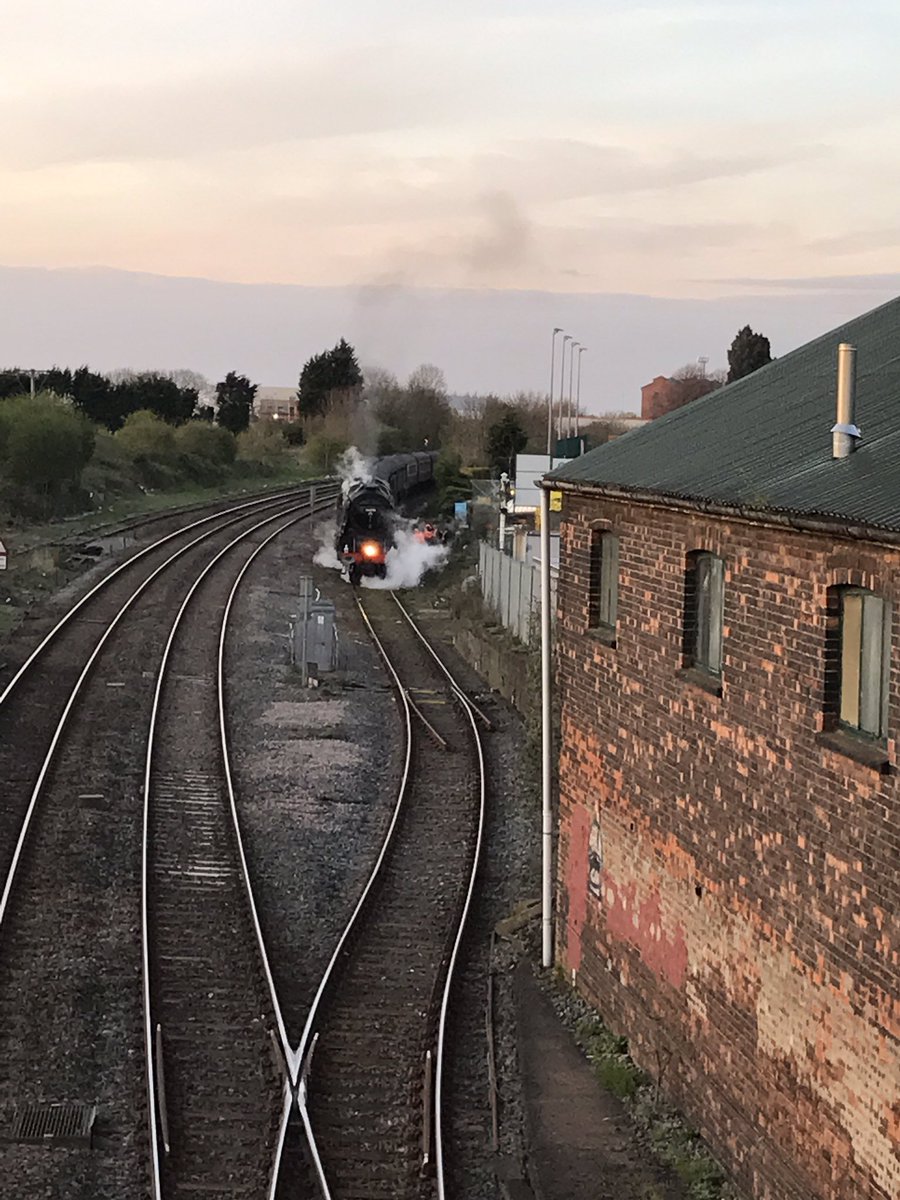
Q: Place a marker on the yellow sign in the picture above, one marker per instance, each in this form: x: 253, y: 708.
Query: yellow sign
x: 556, y: 501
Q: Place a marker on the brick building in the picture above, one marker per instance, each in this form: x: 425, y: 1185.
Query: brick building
x: 659, y: 396
x: 729, y: 827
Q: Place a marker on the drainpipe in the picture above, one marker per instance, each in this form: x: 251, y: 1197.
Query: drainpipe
x: 546, y: 740
x: 845, y: 434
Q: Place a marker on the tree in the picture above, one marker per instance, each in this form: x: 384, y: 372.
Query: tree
x: 152, y: 392
x: 505, y: 439
x: 749, y: 351
x: 693, y: 382
x: 235, y: 398
x: 145, y: 436
x: 44, y: 447
x: 95, y: 396
x: 414, y: 417
x: 326, y: 375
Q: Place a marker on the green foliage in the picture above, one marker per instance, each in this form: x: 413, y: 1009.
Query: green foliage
x: 211, y: 442
x: 98, y: 399
x: 293, y: 433
x: 323, y: 450
x: 415, y: 417
x: 14, y: 381
x: 44, y: 447
x: 334, y: 372
x: 154, y: 393
x: 505, y: 439
x: 235, y: 395
x: 749, y: 351
x: 145, y: 436
x: 390, y: 441
x: 451, y: 483
x: 263, y: 444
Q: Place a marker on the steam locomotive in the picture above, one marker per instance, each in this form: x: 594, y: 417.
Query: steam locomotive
x: 367, y: 521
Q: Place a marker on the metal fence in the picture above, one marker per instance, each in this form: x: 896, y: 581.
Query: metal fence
x: 512, y: 591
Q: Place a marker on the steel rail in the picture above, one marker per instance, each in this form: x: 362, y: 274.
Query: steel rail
x: 307, y: 1039
x: 73, y: 696
x: 64, y: 620
x: 156, y: 1173
x: 470, y: 711
x: 290, y: 1081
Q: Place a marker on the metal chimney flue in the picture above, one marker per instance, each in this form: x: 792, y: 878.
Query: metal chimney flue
x: 845, y: 434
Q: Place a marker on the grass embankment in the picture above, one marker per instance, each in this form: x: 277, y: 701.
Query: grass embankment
x: 40, y: 553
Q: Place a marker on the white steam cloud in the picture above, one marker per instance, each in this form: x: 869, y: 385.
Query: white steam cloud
x: 354, y: 467
x: 407, y: 562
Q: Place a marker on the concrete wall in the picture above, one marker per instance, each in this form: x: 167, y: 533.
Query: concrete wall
x: 729, y: 890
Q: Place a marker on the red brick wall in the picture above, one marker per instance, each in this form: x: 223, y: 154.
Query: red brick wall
x: 728, y: 886
x: 660, y: 397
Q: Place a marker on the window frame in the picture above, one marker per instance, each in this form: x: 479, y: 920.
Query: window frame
x: 862, y: 711
x: 704, y: 617
x: 603, y: 582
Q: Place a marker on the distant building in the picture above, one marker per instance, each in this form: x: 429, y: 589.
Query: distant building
x: 658, y: 397
x: 729, y: 810
x: 276, y: 403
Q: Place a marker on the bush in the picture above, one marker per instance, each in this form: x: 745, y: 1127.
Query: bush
x: 145, y: 436
x: 200, y: 439
x: 294, y: 433
x: 263, y: 444
x: 323, y: 451
x: 44, y: 446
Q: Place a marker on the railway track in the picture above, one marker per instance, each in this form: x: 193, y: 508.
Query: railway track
x: 33, y: 697
x: 215, y: 1040
x: 372, y: 1055
x: 69, y: 973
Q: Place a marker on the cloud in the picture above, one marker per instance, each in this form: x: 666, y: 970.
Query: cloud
x: 858, y: 242
x: 335, y: 94
x: 564, y: 168
x: 887, y: 282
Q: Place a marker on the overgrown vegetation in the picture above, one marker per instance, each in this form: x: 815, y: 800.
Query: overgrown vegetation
x: 672, y: 1142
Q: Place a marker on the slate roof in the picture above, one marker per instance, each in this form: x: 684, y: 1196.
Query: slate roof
x: 764, y: 442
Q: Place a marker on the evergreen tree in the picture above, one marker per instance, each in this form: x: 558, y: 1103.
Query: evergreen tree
x: 152, y: 392
x: 749, y: 351
x: 235, y: 395
x: 95, y: 396
x: 505, y: 439
x: 323, y: 375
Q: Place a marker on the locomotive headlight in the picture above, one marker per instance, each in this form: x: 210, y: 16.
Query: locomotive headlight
x: 370, y: 550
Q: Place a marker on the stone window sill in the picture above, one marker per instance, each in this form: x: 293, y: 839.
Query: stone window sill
x: 702, y: 679
x: 605, y: 634
x: 870, y: 754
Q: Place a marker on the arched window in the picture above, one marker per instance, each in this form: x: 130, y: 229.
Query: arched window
x: 704, y: 601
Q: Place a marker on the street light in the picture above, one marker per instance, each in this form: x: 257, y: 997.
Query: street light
x: 571, y: 377
x: 581, y: 350
x: 556, y: 330
x: 567, y: 337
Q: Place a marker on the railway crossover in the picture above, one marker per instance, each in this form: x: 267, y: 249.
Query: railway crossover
x: 223, y: 1085
x: 69, y: 966
x: 372, y: 1054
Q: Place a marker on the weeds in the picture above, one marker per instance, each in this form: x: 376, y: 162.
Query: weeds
x: 672, y: 1142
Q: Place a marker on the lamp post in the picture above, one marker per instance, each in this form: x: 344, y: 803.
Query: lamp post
x: 575, y: 345
x: 567, y: 337
x: 556, y: 330
x: 581, y: 350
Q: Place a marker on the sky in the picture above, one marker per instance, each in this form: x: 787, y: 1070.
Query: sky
x: 686, y: 149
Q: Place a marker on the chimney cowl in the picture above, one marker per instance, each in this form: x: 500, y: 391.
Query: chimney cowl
x: 845, y: 433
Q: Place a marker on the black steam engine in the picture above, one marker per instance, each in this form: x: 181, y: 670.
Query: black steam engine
x: 367, y: 521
